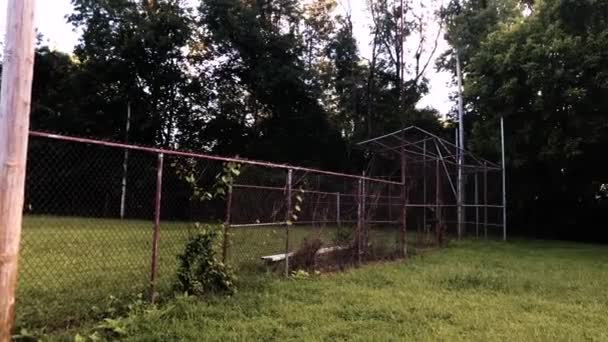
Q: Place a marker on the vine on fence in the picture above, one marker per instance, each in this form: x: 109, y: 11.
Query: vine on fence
x: 297, y: 208
x: 199, y: 270
x: 223, y: 181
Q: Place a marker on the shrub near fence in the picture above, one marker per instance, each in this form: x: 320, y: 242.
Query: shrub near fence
x: 104, y: 222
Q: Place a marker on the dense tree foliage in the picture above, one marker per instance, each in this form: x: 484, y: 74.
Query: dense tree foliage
x: 284, y: 80
x: 542, y: 66
x: 280, y: 80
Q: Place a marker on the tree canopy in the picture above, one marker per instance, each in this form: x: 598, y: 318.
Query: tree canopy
x: 542, y: 66
x: 284, y: 80
x: 281, y: 80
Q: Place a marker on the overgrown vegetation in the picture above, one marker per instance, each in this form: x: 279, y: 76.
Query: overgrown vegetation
x: 305, y: 256
x: 199, y: 272
x: 51, y: 294
x: 490, y: 291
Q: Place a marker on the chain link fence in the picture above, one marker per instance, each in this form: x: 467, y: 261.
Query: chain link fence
x: 104, y: 222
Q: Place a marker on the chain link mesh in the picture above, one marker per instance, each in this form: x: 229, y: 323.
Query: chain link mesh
x: 90, y: 213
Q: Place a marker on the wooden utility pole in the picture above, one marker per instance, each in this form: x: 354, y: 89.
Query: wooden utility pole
x: 15, y: 97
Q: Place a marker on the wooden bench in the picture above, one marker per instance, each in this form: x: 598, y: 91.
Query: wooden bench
x: 281, y: 257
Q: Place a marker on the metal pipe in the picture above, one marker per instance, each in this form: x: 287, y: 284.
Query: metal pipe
x: 156, y: 235
x: 203, y: 156
x: 424, y: 187
x: 282, y: 223
x: 403, y: 143
x: 476, y: 206
x: 288, y: 219
x: 453, y: 205
x: 402, y: 242
x: 125, y: 163
x: 390, y: 204
x: 446, y: 171
x: 338, y: 221
x: 485, y: 202
x: 359, y: 219
x: 471, y: 222
x: 281, y: 188
x: 227, y: 225
x: 251, y: 225
x: 461, y: 145
x: 504, y: 180
x: 364, y: 211
x: 438, y: 224
x: 443, y: 141
x: 386, y: 135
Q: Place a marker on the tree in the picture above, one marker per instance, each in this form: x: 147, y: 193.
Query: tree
x: 267, y: 61
x: 545, y: 73
x: 396, y: 80
x: 134, y: 52
x: 348, y: 86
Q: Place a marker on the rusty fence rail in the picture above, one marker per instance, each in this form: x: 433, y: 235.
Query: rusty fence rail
x: 105, y: 221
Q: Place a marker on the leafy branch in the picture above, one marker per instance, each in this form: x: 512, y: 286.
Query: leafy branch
x: 223, y: 181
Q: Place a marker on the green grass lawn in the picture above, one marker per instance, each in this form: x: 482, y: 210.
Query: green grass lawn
x: 76, y: 269
x: 481, y: 291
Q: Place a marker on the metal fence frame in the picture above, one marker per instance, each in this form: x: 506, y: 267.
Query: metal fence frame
x: 411, y: 146
x: 161, y: 153
x: 374, y: 198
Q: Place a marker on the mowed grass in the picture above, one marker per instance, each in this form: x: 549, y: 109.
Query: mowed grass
x: 70, y: 268
x: 73, y: 270
x: 472, y: 291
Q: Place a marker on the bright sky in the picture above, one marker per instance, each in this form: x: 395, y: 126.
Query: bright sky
x: 51, y: 22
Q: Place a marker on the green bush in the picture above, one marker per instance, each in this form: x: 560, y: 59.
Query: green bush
x: 199, y: 271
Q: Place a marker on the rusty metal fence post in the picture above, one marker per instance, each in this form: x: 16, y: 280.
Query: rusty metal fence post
x: 365, y: 225
x: 338, y: 220
x: 424, y: 190
x: 438, y: 223
x: 476, y: 198
x: 404, y: 199
x: 156, y: 235
x: 288, y: 218
x: 390, y: 204
x: 226, y: 242
x: 485, y: 200
x: 359, y: 219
